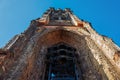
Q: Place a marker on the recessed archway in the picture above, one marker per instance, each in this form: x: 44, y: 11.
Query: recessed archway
x: 84, y: 57
x: 55, y: 42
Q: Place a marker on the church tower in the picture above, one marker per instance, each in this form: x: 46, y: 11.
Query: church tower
x: 60, y: 46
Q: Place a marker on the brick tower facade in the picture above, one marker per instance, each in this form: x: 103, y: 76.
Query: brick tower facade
x: 60, y: 46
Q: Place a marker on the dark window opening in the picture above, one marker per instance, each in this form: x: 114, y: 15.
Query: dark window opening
x: 56, y: 18
x: 62, y: 52
x: 55, y: 48
x: 62, y: 47
x: 63, y: 18
x: 70, y: 49
x: 61, y: 64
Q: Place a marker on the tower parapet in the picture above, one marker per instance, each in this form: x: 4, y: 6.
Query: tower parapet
x: 59, y: 17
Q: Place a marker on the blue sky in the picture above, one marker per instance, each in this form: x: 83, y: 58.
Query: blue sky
x: 15, y: 15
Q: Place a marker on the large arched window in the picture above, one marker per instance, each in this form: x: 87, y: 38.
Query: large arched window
x: 61, y: 63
